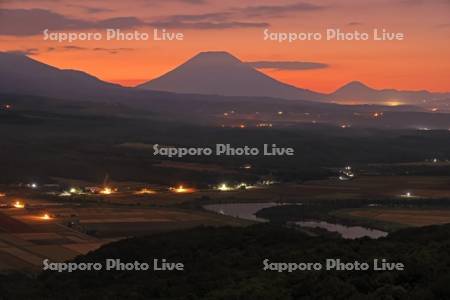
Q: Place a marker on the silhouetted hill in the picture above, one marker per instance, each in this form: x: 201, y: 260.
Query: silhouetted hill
x: 357, y: 92
x: 227, y: 263
x: 20, y: 74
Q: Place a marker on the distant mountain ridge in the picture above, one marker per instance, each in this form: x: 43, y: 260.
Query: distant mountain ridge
x: 220, y: 73
x: 208, y: 73
x: 20, y: 74
x: 358, y: 92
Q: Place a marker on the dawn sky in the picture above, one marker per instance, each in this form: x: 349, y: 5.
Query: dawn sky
x: 420, y: 61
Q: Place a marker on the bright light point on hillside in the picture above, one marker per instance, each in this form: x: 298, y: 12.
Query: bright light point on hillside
x: 224, y: 187
x: 407, y: 195
x: 280, y: 113
x: 393, y: 103
x: 145, y: 191
x: 33, y: 185
x: 18, y: 204
x: 2, y: 195
x: 181, y: 189
x: 244, y: 186
x: 46, y: 217
x: 377, y: 115
x: 107, y: 191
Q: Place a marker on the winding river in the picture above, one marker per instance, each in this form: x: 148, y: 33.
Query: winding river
x: 247, y: 211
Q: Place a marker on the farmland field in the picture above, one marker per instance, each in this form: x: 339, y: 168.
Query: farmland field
x: 410, y: 217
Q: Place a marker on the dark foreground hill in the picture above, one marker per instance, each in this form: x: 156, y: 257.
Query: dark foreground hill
x: 227, y: 263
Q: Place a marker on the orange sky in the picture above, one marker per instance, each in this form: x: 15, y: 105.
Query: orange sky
x: 421, y: 61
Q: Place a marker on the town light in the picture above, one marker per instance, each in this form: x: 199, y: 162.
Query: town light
x: 46, y: 217
x: 224, y: 187
x: 181, y: 189
x: 107, y: 191
x: 18, y: 204
x: 144, y: 191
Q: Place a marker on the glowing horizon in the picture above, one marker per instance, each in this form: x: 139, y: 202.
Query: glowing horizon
x: 419, y: 62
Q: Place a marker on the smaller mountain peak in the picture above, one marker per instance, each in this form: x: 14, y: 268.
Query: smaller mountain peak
x: 356, y: 83
x: 354, y: 86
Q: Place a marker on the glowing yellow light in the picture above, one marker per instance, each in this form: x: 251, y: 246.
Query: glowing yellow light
x: 377, y: 114
x: 2, y: 195
x: 18, y: 204
x: 145, y: 191
x: 182, y: 189
x: 223, y: 187
x: 46, y: 217
x: 434, y: 109
x: 393, y: 103
x: 107, y: 191
x: 280, y: 113
x: 242, y: 126
x: 244, y: 186
x: 407, y: 195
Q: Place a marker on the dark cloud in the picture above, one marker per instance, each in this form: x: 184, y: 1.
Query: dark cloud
x: 215, y: 17
x: 74, y: 48
x: 354, y: 24
x: 35, y: 51
x: 113, y: 50
x: 287, y: 65
x: 26, y: 22
x: 279, y: 10
x: 233, y: 18
x: 120, y: 22
x: 107, y: 50
x: 159, y: 2
x: 92, y: 10
x: 208, y: 25
x: 215, y: 20
x: 192, y: 1
x: 28, y: 51
x: 422, y: 2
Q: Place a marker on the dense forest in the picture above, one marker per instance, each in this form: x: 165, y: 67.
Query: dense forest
x: 227, y: 263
